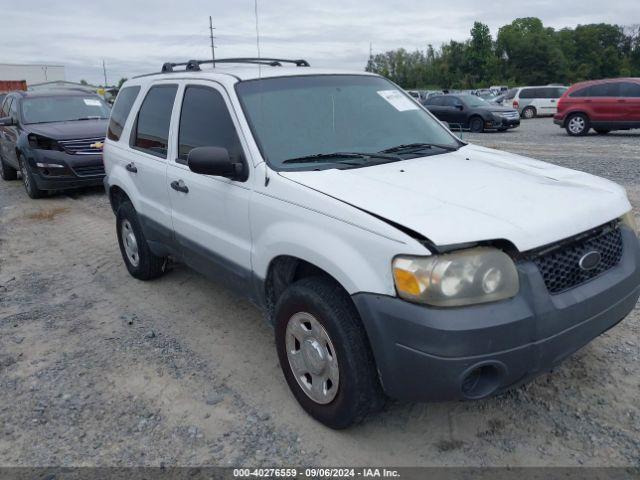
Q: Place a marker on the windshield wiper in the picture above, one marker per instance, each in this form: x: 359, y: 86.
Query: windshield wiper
x: 88, y: 118
x: 321, y: 157
x: 414, y: 147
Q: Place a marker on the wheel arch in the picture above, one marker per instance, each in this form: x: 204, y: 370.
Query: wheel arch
x: 283, y: 270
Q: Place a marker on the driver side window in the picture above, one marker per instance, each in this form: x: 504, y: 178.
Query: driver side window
x: 205, y: 122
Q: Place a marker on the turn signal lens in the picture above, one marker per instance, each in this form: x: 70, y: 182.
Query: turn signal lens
x: 466, y: 277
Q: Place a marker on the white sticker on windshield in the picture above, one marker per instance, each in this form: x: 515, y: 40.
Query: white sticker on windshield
x: 92, y: 102
x: 398, y: 100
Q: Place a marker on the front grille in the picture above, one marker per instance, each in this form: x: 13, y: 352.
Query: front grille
x: 82, y: 146
x: 560, y: 265
x: 89, y: 170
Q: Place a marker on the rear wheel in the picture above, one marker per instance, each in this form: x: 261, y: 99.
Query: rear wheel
x: 324, y: 353
x: 476, y: 125
x: 578, y: 124
x: 529, y: 113
x: 28, y: 180
x: 138, y: 257
x: 601, y: 131
x: 7, y: 172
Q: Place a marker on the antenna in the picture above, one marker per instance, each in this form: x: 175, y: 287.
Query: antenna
x: 213, y: 53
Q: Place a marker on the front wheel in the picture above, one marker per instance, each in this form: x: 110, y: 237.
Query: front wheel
x: 28, y: 179
x: 324, y: 353
x: 578, y: 125
x: 138, y: 257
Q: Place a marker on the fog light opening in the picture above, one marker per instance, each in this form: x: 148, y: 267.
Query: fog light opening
x: 481, y: 381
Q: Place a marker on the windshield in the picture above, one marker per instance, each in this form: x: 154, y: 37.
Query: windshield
x: 63, y: 108
x: 297, y: 117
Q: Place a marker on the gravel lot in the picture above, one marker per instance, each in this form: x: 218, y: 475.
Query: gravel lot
x: 97, y: 368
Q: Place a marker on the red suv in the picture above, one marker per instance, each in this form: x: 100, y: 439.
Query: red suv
x: 603, y: 105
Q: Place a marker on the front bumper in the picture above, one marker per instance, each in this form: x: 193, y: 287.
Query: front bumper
x: 471, y: 352
x: 77, y: 171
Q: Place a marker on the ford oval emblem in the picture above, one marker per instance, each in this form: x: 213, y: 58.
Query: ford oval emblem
x: 590, y: 260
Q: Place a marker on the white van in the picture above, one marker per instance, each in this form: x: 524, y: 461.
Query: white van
x: 392, y: 258
x: 534, y: 102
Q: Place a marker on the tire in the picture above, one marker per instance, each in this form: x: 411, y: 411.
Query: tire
x: 28, y: 180
x: 7, y: 172
x: 529, y: 113
x: 578, y: 125
x: 601, y: 131
x: 476, y: 125
x: 138, y: 257
x: 335, y: 327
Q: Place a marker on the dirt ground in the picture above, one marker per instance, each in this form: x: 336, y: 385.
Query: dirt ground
x: 97, y: 368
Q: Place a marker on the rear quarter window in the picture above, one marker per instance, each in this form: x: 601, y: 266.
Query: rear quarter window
x: 121, y: 109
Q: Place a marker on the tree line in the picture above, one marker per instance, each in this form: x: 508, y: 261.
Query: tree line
x: 525, y: 52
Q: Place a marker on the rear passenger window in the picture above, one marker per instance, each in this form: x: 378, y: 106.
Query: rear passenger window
x: 528, y: 93
x: 121, y: 110
x: 511, y: 94
x: 152, y: 126
x: 628, y: 89
x: 205, y: 122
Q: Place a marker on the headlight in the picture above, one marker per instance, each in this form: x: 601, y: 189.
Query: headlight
x: 629, y: 220
x: 43, y: 143
x: 467, y: 277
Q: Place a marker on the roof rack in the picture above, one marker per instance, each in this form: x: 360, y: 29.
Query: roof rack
x: 194, y: 65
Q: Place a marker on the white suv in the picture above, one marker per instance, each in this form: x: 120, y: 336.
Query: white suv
x: 392, y: 258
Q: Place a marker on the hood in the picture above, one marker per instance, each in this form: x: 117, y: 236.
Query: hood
x: 476, y: 194
x: 70, y: 130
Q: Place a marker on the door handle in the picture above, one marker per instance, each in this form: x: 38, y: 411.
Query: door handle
x: 179, y: 186
x: 131, y: 168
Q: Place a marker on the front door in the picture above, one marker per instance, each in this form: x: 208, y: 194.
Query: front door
x: 210, y: 214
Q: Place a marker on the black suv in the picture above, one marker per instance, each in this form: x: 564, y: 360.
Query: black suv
x: 54, y: 138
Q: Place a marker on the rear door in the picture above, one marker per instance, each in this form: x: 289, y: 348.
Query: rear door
x: 146, y: 160
x: 605, y: 104
x: 210, y: 214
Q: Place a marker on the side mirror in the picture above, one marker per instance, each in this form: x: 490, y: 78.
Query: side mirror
x: 6, y: 121
x: 459, y: 106
x: 214, y: 161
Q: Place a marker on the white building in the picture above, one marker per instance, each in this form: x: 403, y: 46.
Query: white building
x: 32, y: 73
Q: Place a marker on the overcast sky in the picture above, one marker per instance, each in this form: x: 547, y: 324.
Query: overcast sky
x: 137, y: 36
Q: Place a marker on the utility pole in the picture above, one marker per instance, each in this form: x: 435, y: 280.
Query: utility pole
x: 213, y: 53
x: 370, y: 49
x: 104, y: 71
